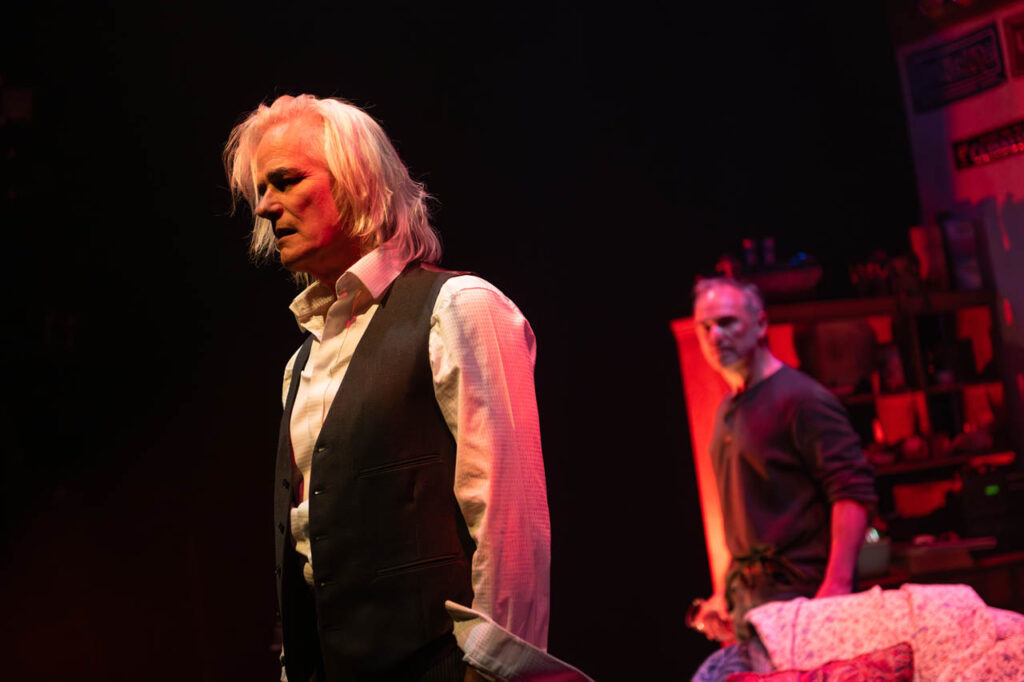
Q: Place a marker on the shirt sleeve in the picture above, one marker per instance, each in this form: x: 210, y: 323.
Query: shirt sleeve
x: 832, y: 448
x: 482, y: 354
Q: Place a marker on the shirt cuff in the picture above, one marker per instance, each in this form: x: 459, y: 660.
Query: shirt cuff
x: 498, y: 653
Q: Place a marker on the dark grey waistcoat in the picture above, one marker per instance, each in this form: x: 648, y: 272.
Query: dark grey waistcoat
x: 388, y: 540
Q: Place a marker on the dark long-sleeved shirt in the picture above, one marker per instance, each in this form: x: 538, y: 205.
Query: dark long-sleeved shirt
x: 783, y: 452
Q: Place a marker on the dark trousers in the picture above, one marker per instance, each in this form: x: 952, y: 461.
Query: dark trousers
x: 753, y: 588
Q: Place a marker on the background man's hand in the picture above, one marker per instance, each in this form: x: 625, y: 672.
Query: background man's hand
x: 713, y: 620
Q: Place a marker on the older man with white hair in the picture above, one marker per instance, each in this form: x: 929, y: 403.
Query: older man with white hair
x: 409, y: 469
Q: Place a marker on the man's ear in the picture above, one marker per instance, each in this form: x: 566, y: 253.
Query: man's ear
x: 762, y: 325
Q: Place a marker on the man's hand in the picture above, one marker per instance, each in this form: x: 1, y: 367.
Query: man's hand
x: 713, y: 620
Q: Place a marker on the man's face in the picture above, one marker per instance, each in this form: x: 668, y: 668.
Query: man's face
x: 295, y: 196
x: 727, y: 330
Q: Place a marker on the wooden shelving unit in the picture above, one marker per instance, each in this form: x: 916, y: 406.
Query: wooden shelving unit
x: 1004, y: 458
x: 934, y: 302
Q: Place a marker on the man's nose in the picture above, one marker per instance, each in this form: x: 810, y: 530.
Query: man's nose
x: 268, y: 206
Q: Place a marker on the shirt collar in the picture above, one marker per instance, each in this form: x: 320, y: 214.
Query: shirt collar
x: 372, y: 274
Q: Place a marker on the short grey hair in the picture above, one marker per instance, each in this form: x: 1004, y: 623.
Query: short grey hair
x: 751, y: 294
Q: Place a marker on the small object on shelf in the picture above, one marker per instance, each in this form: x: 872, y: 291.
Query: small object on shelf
x: 878, y: 432
x: 785, y: 283
x: 904, y: 277
x: 984, y: 407
x: 902, y: 415
x: 872, y: 278
x: 964, y: 252
x: 928, y: 554
x: 939, y: 444
x: 973, y: 441
x: 879, y: 455
x: 892, y: 374
x: 749, y: 253
x: 841, y: 354
x: 914, y: 448
x: 727, y: 266
x: 768, y: 251
x: 874, y: 556
x: 928, y: 245
x: 777, y: 282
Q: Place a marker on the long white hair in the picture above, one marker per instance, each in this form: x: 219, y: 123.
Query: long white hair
x: 377, y: 199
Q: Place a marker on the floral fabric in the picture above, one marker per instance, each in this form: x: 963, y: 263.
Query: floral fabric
x: 955, y: 637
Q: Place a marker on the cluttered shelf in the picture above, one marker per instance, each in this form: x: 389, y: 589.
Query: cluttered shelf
x: 928, y: 303
x: 975, y: 460
x: 997, y: 578
x: 937, y: 389
x: 918, y: 374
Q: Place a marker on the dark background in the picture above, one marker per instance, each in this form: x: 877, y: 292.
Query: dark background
x: 590, y: 162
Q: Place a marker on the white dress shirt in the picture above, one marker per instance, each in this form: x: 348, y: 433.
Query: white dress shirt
x: 482, y: 352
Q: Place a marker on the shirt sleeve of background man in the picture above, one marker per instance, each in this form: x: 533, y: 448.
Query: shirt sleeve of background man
x: 783, y: 453
x: 482, y: 354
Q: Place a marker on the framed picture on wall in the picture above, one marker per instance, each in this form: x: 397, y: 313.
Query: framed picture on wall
x: 955, y: 69
x: 1013, y: 32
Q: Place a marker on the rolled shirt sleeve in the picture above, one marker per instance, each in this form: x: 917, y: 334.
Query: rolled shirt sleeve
x: 833, y: 450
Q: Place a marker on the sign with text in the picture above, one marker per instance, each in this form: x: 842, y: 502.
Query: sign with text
x: 955, y: 69
x: 990, y: 146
